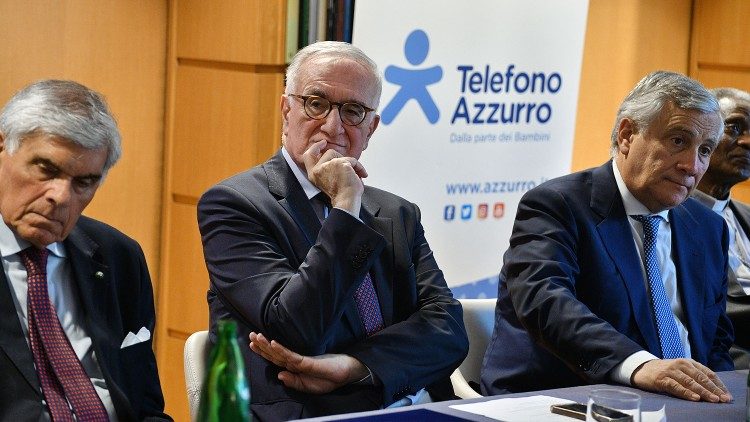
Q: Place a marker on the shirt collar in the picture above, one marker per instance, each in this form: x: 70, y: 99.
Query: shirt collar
x: 10, y: 244
x: 632, y: 205
x: 718, y: 205
x: 307, y: 186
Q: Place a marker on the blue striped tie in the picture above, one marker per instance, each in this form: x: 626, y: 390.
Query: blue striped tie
x: 671, y: 346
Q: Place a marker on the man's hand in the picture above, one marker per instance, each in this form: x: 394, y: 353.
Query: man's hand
x: 338, y: 176
x: 682, y: 378
x: 315, y: 375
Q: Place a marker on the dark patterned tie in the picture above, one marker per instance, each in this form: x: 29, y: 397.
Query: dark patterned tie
x: 60, y: 372
x: 365, y: 296
x: 669, y: 337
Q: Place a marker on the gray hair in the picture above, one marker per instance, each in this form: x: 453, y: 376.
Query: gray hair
x: 730, y: 93
x: 653, y: 92
x: 336, y: 50
x: 64, y: 109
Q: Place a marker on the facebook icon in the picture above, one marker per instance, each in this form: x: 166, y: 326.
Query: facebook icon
x: 466, y: 211
x: 449, y: 213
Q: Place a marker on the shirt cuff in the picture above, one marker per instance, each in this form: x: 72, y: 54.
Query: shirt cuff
x: 346, y: 211
x: 623, y: 372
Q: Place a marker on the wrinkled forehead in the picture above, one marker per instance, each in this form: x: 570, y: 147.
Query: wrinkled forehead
x: 341, y: 71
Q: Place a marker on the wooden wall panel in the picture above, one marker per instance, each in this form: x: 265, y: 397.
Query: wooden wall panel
x: 219, y: 116
x: 720, y: 33
x: 720, y: 52
x: 716, y: 78
x: 117, y: 48
x: 240, y: 31
x: 186, y: 297
x: 624, y: 41
x: 225, y: 77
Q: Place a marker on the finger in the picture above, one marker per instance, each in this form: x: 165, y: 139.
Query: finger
x: 293, y: 361
x: 312, y: 154
x: 358, y: 168
x: 262, y: 346
x: 330, y: 154
x: 254, y: 347
x: 673, y: 387
x: 697, y: 382
x: 717, y: 386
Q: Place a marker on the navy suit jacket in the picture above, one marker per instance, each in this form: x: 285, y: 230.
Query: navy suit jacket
x: 276, y: 270
x: 119, y: 302
x: 572, y: 300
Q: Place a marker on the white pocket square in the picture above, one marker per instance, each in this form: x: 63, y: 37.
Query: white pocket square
x: 143, y: 335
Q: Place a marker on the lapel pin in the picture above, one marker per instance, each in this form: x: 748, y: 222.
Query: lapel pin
x: 99, y: 274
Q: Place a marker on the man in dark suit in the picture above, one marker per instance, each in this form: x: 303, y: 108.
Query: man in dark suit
x: 612, y: 274
x: 75, y: 294
x: 730, y: 165
x: 340, y: 294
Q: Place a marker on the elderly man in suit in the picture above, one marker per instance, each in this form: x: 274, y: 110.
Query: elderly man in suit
x: 332, y: 280
x: 730, y: 165
x: 75, y: 296
x: 613, y: 274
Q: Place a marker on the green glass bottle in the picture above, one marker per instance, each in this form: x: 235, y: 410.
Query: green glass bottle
x: 225, y: 396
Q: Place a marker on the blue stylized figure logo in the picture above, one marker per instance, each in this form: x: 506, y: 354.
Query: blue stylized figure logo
x: 413, y: 82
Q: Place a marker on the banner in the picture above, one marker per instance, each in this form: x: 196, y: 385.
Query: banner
x: 478, y: 106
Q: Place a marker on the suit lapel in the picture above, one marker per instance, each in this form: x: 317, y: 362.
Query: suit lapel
x: 284, y: 186
x: 13, y: 341
x: 617, y: 236
x: 93, y: 281
x: 384, y: 265
x: 689, y: 259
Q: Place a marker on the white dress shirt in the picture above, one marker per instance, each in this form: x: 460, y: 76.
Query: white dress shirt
x: 622, y: 373
x: 64, y: 298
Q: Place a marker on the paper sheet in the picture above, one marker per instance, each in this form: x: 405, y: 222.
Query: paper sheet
x: 533, y: 408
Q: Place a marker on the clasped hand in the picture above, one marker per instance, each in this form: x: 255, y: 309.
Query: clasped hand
x: 338, y: 176
x: 683, y: 378
x: 310, y: 374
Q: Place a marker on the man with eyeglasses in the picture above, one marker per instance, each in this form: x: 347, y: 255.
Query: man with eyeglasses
x: 332, y: 281
x: 730, y: 165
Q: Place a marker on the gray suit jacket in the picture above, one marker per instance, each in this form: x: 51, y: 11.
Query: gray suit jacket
x: 738, y: 303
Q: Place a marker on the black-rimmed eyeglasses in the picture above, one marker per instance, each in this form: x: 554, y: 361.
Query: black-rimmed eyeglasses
x: 351, y: 114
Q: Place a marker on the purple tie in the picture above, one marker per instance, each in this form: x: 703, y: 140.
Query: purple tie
x: 368, y: 306
x: 60, y: 372
x: 365, y: 296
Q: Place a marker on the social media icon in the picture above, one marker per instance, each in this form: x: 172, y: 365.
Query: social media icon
x: 499, y: 210
x: 449, y: 213
x: 465, y: 211
x: 482, y: 210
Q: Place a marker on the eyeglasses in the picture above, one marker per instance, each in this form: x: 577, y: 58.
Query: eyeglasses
x: 351, y: 114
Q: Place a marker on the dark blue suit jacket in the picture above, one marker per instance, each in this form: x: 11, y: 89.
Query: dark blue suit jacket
x: 572, y: 300
x: 119, y: 302
x: 276, y: 270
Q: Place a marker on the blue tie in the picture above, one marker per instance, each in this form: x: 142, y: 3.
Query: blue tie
x: 671, y: 346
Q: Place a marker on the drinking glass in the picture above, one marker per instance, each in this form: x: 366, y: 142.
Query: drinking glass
x: 612, y: 405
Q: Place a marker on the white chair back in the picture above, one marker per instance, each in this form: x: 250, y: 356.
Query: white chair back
x: 196, y: 352
x: 479, y: 318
